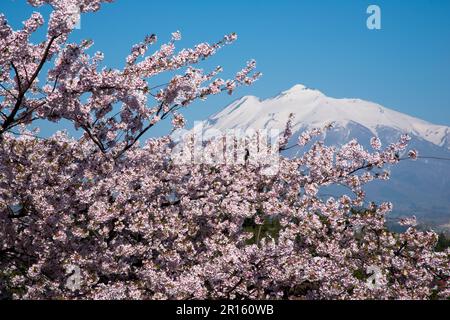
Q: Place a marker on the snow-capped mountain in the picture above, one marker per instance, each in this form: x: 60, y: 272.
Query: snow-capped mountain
x: 421, y: 188
x: 314, y: 109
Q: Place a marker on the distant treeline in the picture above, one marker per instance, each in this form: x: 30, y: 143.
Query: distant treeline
x: 271, y: 228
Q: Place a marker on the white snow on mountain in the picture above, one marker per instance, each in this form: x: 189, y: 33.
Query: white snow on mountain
x: 314, y: 109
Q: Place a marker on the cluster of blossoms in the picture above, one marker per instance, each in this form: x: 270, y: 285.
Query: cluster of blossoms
x: 139, y: 226
x: 143, y: 227
x: 113, y: 107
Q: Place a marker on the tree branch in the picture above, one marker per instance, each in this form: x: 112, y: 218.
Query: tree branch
x: 23, y: 90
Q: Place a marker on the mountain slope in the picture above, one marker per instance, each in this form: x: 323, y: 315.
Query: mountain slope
x: 313, y: 109
x: 421, y: 188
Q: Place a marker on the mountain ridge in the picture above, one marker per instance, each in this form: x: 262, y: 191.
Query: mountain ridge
x: 314, y: 108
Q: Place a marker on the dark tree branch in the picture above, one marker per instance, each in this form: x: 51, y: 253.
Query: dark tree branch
x: 23, y: 90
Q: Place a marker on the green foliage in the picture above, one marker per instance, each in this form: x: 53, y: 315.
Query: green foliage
x: 443, y: 242
x: 270, y: 228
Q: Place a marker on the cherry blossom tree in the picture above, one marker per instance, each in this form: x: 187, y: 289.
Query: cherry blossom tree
x: 139, y: 225
x: 114, y: 108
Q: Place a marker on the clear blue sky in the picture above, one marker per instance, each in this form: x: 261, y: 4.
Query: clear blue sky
x: 323, y: 44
